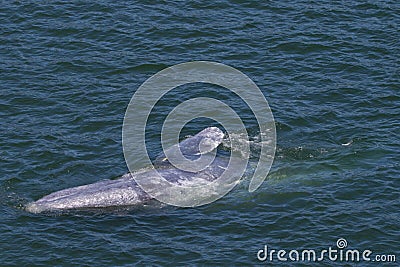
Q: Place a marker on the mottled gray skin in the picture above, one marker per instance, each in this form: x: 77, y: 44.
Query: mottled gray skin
x: 125, y: 191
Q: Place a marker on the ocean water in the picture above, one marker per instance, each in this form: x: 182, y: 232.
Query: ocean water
x: 329, y: 69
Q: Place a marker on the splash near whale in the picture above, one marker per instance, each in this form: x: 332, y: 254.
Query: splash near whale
x: 126, y: 192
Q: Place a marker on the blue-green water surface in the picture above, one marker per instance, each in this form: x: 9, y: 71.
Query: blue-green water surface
x: 329, y: 69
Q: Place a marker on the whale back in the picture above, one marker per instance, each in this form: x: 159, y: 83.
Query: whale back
x: 125, y: 191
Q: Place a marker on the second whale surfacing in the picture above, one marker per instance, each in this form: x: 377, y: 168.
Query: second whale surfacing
x: 126, y: 192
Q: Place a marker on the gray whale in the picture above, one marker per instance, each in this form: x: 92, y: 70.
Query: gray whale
x: 125, y: 191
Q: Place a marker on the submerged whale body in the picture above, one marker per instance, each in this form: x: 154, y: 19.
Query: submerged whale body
x: 126, y: 192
